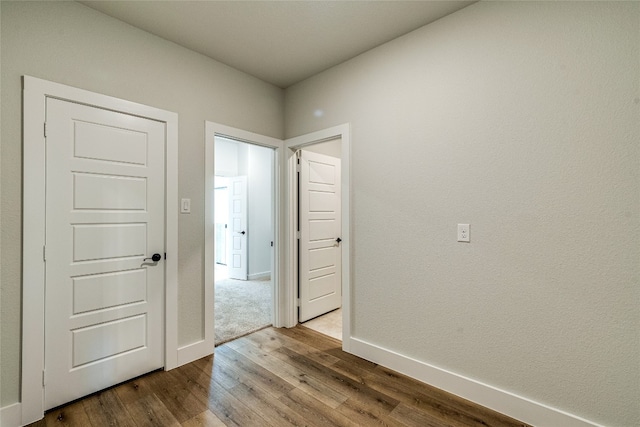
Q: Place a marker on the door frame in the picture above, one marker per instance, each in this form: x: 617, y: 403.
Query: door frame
x: 35, y: 93
x: 293, y: 144
x: 212, y: 130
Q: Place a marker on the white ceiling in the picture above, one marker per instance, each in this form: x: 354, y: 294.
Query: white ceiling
x: 281, y: 42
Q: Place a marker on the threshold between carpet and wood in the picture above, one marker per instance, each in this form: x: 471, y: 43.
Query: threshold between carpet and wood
x: 276, y: 377
x: 241, y: 307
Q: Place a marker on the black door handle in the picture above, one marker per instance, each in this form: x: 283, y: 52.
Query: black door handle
x: 154, y: 258
x: 243, y: 232
x: 338, y: 240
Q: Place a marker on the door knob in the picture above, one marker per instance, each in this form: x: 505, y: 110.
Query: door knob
x: 243, y: 232
x: 338, y: 240
x: 154, y: 258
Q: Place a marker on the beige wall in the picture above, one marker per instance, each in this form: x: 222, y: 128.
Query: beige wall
x: 329, y: 148
x: 521, y: 119
x: 259, y: 209
x: 68, y: 43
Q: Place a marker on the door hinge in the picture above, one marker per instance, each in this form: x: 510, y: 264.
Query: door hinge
x: 165, y: 255
x: 43, y: 378
x: 45, y: 129
x: 298, y: 235
x: 44, y: 252
x: 298, y: 302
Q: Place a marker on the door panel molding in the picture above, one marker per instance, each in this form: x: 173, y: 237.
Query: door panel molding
x: 237, y: 237
x: 289, y: 162
x: 123, y: 340
x: 320, y: 277
x: 35, y: 93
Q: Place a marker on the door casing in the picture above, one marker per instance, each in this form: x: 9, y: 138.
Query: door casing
x: 292, y: 145
x: 35, y: 92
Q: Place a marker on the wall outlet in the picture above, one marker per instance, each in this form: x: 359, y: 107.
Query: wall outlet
x: 463, y: 232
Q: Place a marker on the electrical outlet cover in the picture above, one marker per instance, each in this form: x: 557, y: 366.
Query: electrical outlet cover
x: 463, y: 232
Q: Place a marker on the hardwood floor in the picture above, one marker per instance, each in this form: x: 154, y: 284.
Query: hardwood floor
x: 275, y: 377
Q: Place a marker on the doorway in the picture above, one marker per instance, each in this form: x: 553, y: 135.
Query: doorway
x: 334, y: 142
x: 319, y: 242
x: 105, y: 230
x: 243, y: 237
x: 319, y: 234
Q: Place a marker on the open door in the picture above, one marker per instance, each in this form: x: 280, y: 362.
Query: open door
x: 320, y: 281
x: 237, y: 262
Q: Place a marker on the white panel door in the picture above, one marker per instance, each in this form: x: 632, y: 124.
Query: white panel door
x: 237, y: 261
x: 104, y: 215
x: 320, y: 281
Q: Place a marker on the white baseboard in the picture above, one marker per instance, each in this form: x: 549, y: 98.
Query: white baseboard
x: 194, y: 351
x: 11, y: 415
x: 259, y: 276
x: 507, y: 403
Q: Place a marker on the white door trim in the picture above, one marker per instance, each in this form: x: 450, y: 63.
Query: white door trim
x: 35, y: 92
x: 211, y: 130
x: 290, y: 297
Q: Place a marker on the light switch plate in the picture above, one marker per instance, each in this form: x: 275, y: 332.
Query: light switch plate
x: 185, y: 206
x: 463, y: 232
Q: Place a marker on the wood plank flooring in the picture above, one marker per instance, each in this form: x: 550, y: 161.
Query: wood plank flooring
x: 275, y: 377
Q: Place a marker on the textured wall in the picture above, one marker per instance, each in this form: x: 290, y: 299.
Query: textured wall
x: 522, y: 119
x: 329, y: 148
x: 68, y: 43
x: 260, y: 195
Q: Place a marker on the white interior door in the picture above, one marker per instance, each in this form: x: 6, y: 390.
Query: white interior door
x: 104, y: 215
x: 320, y: 282
x: 237, y: 260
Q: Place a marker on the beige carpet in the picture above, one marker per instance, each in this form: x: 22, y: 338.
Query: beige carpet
x: 241, y: 307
